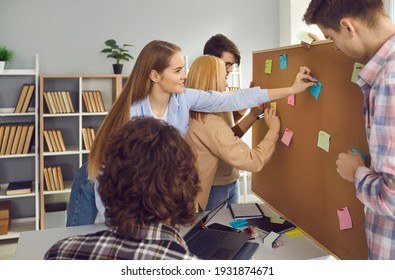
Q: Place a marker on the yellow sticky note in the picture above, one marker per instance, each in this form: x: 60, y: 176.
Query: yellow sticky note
x: 268, y: 66
x: 294, y: 233
x: 273, y: 105
x: 323, y: 140
x: 357, y: 68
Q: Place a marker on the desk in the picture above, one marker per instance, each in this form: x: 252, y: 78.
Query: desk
x: 32, y: 245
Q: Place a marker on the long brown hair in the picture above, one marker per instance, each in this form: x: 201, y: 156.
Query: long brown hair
x: 205, y: 74
x: 156, y: 55
x: 149, y: 177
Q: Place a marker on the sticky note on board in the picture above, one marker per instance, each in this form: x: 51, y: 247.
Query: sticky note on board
x: 287, y: 136
x: 268, y: 66
x: 344, y: 218
x: 273, y: 105
x: 315, y: 90
x: 283, y: 61
x: 304, y: 37
x: 291, y: 100
x: 356, y: 69
x: 323, y: 140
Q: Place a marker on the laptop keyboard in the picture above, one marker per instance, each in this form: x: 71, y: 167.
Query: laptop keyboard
x: 203, y: 244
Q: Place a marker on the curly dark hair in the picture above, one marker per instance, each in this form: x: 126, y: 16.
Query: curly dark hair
x: 149, y: 176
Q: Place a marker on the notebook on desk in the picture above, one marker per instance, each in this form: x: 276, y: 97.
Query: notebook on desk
x: 214, y: 244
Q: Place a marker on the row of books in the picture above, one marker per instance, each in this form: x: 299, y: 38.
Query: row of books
x: 15, y: 138
x: 24, y: 98
x: 93, y: 101
x: 54, y: 140
x: 58, y: 102
x: 88, y: 135
x: 53, y: 178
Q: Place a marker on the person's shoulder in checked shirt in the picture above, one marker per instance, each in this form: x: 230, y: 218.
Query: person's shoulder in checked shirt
x: 161, y: 242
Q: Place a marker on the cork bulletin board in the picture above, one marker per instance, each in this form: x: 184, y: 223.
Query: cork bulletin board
x: 300, y: 181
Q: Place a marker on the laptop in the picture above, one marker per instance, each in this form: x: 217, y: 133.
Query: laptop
x: 214, y: 244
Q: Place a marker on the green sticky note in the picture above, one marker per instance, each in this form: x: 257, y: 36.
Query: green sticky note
x: 304, y: 37
x: 323, y: 140
x: 268, y: 66
x: 277, y: 220
x: 357, y: 68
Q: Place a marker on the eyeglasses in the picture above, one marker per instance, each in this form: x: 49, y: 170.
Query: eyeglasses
x: 229, y: 65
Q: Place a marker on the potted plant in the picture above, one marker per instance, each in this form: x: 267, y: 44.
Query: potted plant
x: 5, y: 55
x: 118, y: 53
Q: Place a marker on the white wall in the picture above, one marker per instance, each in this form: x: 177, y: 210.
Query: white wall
x: 69, y: 35
x: 291, y: 14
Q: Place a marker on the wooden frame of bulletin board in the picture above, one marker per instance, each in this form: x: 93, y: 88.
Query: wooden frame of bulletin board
x: 301, y: 181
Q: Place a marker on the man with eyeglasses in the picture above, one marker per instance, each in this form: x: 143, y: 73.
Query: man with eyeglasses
x: 226, y: 182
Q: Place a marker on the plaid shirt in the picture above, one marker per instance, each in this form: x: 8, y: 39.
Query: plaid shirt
x: 162, y: 242
x: 376, y: 185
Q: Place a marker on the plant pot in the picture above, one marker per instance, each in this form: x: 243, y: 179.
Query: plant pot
x: 2, y: 64
x: 117, y: 68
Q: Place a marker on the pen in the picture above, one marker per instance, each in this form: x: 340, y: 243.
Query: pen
x: 261, y: 116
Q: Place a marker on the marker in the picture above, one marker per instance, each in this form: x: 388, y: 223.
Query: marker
x: 261, y: 116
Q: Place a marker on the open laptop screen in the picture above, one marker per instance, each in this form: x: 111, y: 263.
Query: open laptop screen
x: 206, y: 218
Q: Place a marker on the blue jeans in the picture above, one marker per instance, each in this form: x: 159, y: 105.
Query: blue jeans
x: 82, y: 207
x: 220, y: 192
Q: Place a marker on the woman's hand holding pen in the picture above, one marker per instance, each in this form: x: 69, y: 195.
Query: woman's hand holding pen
x: 303, y: 80
x: 272, y: 120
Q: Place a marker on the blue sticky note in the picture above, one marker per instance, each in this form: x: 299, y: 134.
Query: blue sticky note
x: 238, y: 223
x: 315, y: 90
x: 362, y: 154
x: 283, y: 61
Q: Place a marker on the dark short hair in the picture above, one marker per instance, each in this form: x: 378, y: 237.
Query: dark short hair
x: 218, y: 44
x: 149, y: 176
x: 328, y: 13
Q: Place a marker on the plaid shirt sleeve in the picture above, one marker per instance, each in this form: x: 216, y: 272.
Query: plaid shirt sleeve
x: 376, y: 185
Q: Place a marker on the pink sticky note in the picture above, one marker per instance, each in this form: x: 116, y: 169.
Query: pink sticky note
x: 287, y: 136
x: 344, y: 218
x: 291, y: 100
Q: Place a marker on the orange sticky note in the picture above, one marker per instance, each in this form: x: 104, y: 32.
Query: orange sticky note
x: 287, y: 136
x: 344, y: 218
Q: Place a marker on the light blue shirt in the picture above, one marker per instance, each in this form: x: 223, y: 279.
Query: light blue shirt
x: 195, y: 100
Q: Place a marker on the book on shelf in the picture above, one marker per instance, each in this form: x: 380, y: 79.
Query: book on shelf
x: 10, y: 139
x: 100, y: 101
x: 60, y: 177
x: 91, y: 99
x: 21, y: 99
x: 22, y: 140
x: 7, y: 129
x: 92, y: 136
x: 245, y: 210
x: 48, y: 185
x: 57, y: 102
x: 61, y: 141
x: 49, y: 102
x: 17, y: 139
x: 20, y: 187
x: 87, y: 104
x: 2, y: 127
x: 70, y: 102
x: 85, y: 139
x: 53, y: 178
x: 29, y: 137
x: 48, y: 141
x: 66, y: 102
x: 28, y: 98
x: 53, y: 136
